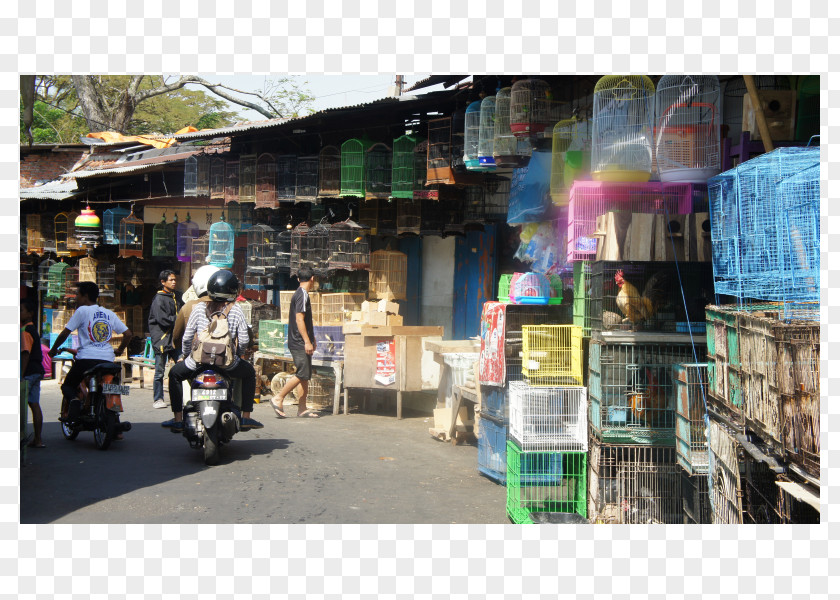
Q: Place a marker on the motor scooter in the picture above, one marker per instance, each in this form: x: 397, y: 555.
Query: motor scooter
x: 211, y: 417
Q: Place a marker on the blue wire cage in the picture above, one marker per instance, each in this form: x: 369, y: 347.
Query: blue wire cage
x: 111, y: 224
x: 765, y: 230
x: 222, y: 240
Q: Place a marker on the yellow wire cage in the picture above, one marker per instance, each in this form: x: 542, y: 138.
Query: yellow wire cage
x: 552, y: 355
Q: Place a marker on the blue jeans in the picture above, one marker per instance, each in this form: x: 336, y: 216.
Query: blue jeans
x: 161, y: 358
x: 34, y: 396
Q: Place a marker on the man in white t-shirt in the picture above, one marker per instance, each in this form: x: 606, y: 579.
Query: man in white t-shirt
x: 95, y: 326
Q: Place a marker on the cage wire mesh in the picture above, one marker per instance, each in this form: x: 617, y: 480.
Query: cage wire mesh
x: 687, y: 131
x: 329, y: 171
x: 388, y: 274
x: 217, y: 178
x: 622, y: 128
x: 55, y: 283
x: 71, y: 283
x: 222, y: 242
x: 111, y: 224
x: 548, y: 419
x: 378, y: 170
x: 631, y: 390
x: 690, y: 386
x: 492, y: 447
x: 551, y: 355
x: 509, y: 151
x: 724, y: 475
x: 306, y: 179
x: 232, y: 181
x: 336, y: 308
x: 530, y: 107
x: 44, y: 274
x: 544, y: 482
x: 297, y: 256
x: 200, y: 250
x: 131, y: 237
x: 248, y: 178
x: 106, y: 279
x: 571, y: 151
x: 472, y: 129
x: 349, y: 248
x: 262, y: 250
x: 202, y: 180
x: 408, y: 170
x: 185, y: 234
x: 694, y: 491
x: 516, y: 317
x: 353, y: 167
x: 485, y: 133
x: 408, y: 216
x: 163, y: 238
x: 287, y: 166
x: 761, y: 248
x: 284, y: 249
x: 266, y: 181
x: 582, y: 275
x: 589, y: 200
x: 191, y: 176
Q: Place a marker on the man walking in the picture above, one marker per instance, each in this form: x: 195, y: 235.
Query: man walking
x: 301, y: 345
x: 162, y: 316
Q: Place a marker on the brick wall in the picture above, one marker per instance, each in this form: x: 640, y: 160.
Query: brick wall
x: 42, y: 166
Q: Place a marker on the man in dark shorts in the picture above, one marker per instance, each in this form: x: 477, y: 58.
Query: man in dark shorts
x: 301, y: 346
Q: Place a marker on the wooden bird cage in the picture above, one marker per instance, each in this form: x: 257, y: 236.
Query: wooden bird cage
x: 262, y: 249
x: 74, y: 244
x: 353, y: 171
x: 200, y: 250
x: 106, y: 279
x: 191, y: 176
x: 44, y: 274
x: 306, y: 179
x: 408, y: 216
x: 622, y: 128
x: 369, y: 215
x: 217, y: 178
x: 222, y: 242
x: 329, y: 171
x: 65, y: 238
x: 378, y: 167
x: 55, y: 281
x: 408, y: 170
x: 284, y: 249
x: 131, y: 236
x: 240, y: 216
x: 35, y: 234
x: 185, y: 233
x: 266, y: 181
x: 349, y: 246
x: 386, y: 217
x: 202, y: 187
x: 530, y: 107
x: 445, y: 155
x: 87, y: 269
x: 571, y: 150
x: 248, y: 178
x: 163, y: 238
x: 287, y: 165
x: 111, y: 224
x: 337, y: 308
x: 231, y: 181
x: 388, y: 275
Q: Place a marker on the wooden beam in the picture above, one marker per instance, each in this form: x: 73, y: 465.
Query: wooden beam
x: 759, y: 113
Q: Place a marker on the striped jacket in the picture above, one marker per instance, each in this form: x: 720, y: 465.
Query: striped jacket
x: 199, y: 322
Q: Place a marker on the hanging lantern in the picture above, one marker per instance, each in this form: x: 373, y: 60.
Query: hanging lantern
x: 88, y: 228
x: 185, y: 234
x: 222, y: 240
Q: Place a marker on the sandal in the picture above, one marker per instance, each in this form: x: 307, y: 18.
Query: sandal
x: 278, y: 411
x: 310, y: 414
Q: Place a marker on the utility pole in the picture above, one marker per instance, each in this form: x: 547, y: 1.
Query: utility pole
x: 400, y: 83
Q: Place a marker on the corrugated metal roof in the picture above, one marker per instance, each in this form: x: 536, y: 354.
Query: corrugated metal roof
x: 133, y: 166
x: 238, y: 128
x: 446, y: 80
x: 52, y: 190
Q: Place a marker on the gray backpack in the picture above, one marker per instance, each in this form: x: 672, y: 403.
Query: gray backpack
x: 215, y: 346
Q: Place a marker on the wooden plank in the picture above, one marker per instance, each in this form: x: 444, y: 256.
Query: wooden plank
x: 638, y: 244
x: 701, y: 239
x: 616, y: 225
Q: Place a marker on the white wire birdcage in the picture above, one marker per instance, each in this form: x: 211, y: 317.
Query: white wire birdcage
x: 266, y: 181
x: 191, y: 176
x: 222, y: 242
x: 688, y: 128
x: 622, y: 128
x: 262, y: 250
x: 287, y: 166
x: 509, y: 152
x: 531, y: 107
x: 217, y: 178
x: 284, y: 249
x: 306, y: 179
x: 388, y: 275
x: 485, y: 133
x: 472, y: 127
x: 349, y: 246
x: 571, y: 150
x: 548, y: 419
x: 202, y: 181
x: 248, y: 178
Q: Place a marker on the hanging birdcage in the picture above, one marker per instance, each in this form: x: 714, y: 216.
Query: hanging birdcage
x: 453, y: 209
x: 353, y: 156
x: 433, y: 218
x: 474, y: 204
x: 88, y: 228
x: 296, y: 256
x: 55, y: 281
x: 349, y: 246
x: 316, y: 249
x: 388, y: 274
x: 111, y: 224
x: 369, y: 215
x: 688, y: 128
x: 386, y: 217
x: 44, y: 274
x: 240, y: 216
x: 287, y: 165
x: 306, y: 179
x: 163, y: 238
x: 530, y: 107
x: 202, y: 187
x: 87, y: 269
x: 231, y: 181
x: 439, y: 158
x: 570, y: 153
x: 262, y: 249
x: 184, y: 235
x: 378, y: 167
x: 267, y: 191
x: 106, y: 279
x: 284, y: 249
x: 35, y: 234
x: 408, y: 170
x: 472, y: 125
x: 408, y: 216
x: 329, y: 171
x: 131, y: 236
x: 191, y: 176
x: 622, y: 128
x: 199, y: 250
x: 65, y: 234
x: 509, y: 152
x: 71, y: 283
x: 222, y: 241
x: 217, y: 178
x: 485, y: 133
x: 27, y: 272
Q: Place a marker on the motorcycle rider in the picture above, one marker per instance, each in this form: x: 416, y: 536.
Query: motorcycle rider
x: 95, y: 326
x: 199, y: 286
x: 222, y: 289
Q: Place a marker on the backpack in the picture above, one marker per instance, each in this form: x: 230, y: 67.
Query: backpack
x: 215, y: 346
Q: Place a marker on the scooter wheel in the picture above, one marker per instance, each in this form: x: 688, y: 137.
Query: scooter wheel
x: 211, y: 445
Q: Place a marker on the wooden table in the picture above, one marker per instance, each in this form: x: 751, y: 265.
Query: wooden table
x: 336, y: 365
x: 441, y: 347
x: 461, y: 394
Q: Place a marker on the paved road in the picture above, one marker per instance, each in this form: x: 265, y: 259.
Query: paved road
x: 359, y: 468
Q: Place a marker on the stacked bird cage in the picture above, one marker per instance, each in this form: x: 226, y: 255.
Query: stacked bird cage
x: 131, y: 237
x: 247, y: 178
x: 106, y: 279
x: 386, y: 216
x: 200, y: 250
x: 232, y: 181
x: 329, y: 342
x: 349, y: 246
x: 287, y: 166
x: 548, y: 419
x: 509, y: 151
x: 185, y: 234
x: 87, y: 269
x: 222, y: 241
x: 240, y: 216
x: 202, y: 180
x: 71, y: 283
x: 337, y: 308
x: 408, y: 169
x: 551, y: 355
x: 408, y: 216
x: 217, y: 178
x: 285, y: 300
x: 306, y: 179
x: 163, y: 239
x: 622, y: 128
x: 353, y: 167
x: 690, y: 387
x: 284, y: 249
x: 35, y: 233
x: 296, y: 251
x: 688, y: 128
x: 570, y: 155
x: 492, y: 434
x: 273, y: 336
x: 191, y: 176
x: 111, y: 219
x: 262, y: 257
x: 378, y: 167
x: 531, y: 107
x: 329, y: 171
x: 388, y: 275
x: 266, y: 181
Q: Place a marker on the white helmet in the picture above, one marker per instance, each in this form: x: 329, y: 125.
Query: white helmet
x: 201, y: 277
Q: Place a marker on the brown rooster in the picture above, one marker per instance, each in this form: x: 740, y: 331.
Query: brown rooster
x: 649, y: 407
x: 638, y: 307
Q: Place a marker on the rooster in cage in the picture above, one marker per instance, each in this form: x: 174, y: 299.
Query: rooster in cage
x: 650, y: 407
x: 639, y: 307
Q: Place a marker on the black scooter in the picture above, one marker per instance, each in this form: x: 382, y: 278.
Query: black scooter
x: 211, y: 418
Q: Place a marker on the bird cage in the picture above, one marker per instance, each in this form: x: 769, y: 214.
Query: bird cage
x: 131, y: 236
x: 622, y: 128
x: 349, y: 246
x: 284, y: 249
x: 267, y: 191
x: 733, y: 98
x: 191, y: 176
x: 202, y: 185
x: 530, y: 107
x: 286, y: 177
x: 306, y: 179
x: 453, y: 209
x: 474, y: 204
x: 408, y: 169
x: 27, y: 273
x: 472, y: 125
x: 548, y: 419
x: 217, y: 178
x: 111, y: 224
x: 688, y: 128
x: 329, y: 171
x: 551, y: 354
x: 369, y: 215
x: 571, y: 149
x: 353, y: 156
x: 55, y: 282
x: 378, y: 167
x: 690, y: 388
x: 184, y: 235
x: 439, y: 158
x: 163, y: 239
x: 509, y: 151
x: 87, y: 269
x: 485, y: 133
x: 74, y: 245
x: 65, y: 228
x: 248, y: 178
x: 388, y: 275
x: 222, y: 241
x: 71, y: 283
x: 199, y: 250
x: 240, y: 216
x: 315, y: 251
x: 262, y: 249
x: 231, y: 181
x: 106, y: 279
x: 35, y: 234
x: 296, y: 253
x: 88, y: 228
x: 433, y: 218
x: 337, y: 308
x: 386, y: 217
x: 408, y: 216
x: 44, y: 274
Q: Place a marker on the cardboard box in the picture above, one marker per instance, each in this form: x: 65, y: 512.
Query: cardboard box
x: 388, y: 307
x: 395, y: 321
x: 779, y: 111
x: 375, y: 318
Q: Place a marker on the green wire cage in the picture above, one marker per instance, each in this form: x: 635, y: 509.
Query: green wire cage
x: 353, y: 156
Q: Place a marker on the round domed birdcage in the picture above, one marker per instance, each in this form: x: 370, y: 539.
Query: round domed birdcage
x: 531, y: 107
x: 485, y: 133
x: 509, y: 152
x: 222, y: 241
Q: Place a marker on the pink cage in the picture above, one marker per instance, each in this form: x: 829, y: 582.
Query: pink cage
x: 590, y: 199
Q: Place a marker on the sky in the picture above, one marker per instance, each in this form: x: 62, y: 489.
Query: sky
x: 330, y: 91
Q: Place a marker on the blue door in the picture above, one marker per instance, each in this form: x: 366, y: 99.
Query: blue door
x: 475, y: 275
